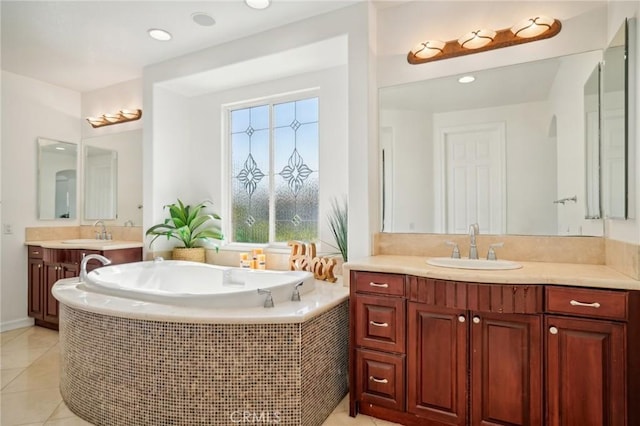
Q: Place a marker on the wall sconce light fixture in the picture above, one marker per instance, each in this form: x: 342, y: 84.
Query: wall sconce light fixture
x: 121, y: 116
x: 525, y: 31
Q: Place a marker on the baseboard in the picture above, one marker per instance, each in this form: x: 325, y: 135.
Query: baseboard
x: 12, y: 325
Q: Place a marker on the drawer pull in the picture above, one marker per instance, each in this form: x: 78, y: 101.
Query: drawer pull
x: 379, y: 324
x: 36, y: 252
x: 586, y: 305
x: 384, y: 285
x: 553, y: 330
x: 383, y: 381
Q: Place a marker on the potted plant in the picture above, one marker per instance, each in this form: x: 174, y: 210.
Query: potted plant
x: 192, y: 226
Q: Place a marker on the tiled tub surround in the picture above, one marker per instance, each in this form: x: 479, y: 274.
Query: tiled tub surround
x: 125, y: 362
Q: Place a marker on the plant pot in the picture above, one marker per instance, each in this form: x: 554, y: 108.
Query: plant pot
x: 195, y: 254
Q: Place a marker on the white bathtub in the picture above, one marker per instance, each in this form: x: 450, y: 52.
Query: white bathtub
x: 181, y: 283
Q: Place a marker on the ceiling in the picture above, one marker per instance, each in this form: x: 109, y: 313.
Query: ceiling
x: 88, y: 45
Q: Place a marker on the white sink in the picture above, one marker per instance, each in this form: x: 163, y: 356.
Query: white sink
x: 87, y: 241
x: 465, y: 263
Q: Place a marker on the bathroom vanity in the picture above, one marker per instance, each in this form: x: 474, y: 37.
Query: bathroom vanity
x: 542, y: 345
x: 51, y: 261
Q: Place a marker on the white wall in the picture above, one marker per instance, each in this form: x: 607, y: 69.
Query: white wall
x: 30, y: 109
x: 410, y: 188
x: 164, y: 179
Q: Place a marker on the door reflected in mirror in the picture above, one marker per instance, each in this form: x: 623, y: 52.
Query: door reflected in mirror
x: 113, y: 177
x: 100, y: 183
x: 57, y: 179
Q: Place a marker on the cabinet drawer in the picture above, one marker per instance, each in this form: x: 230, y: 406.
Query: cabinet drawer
x: 380, y: 322
x: 380, y: 379
x: 376, y: 282
x: 587, y: 302
x: 35, y: 252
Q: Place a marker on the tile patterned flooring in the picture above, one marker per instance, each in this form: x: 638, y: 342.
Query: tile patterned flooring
x: 29, y: 367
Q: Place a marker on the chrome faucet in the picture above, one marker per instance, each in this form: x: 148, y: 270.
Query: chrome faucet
x: 85, y: 259
x: 268, y: 302
x: 103, y: 233
x: 295, y: 297
x: 128, y: 223
x: 474, y: 229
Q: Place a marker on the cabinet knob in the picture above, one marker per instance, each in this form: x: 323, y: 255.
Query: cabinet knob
x: 383, y: 381
x: 461, y: 318
x: 39, y: 266
x: 476, y: 320
x: 553, y: 330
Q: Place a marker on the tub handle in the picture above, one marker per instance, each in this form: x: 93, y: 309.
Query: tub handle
x: 295, y: 297
x: 268, y: 302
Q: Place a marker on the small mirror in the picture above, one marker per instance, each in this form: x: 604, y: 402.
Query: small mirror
x: 592, y: 144
x: 57, y: 179
x: 100, y: 183
x: 615, y: 126
x: 113, y: 177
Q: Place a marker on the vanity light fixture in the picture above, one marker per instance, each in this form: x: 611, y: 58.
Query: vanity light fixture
x: 159, y: 34
x: 258, y: 4
x: 121, y: 116
x: 428, y: 49
x: 528, y: 30
x: 476, y: 39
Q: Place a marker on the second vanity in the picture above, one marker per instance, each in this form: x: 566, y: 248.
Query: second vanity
x: 547, y: 344
x: 52, y: 260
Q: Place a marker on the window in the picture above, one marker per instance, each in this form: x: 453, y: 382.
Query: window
x: 274, y: 172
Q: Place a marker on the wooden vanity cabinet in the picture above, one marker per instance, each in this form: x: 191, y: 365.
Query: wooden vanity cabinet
x: 592, y: 357
x: 474, y: 353
x: 46, y: 266
x: 377, y: 349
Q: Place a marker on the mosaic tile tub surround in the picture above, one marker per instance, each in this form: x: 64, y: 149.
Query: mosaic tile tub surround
x: 119, y: 371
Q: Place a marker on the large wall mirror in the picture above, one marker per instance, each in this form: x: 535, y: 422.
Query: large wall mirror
x: 506, y: 151
x: 57, y: 179
x: 113, y: 177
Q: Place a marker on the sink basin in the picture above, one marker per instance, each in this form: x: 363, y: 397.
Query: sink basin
x: 87, y: 241
x: 465, y: 263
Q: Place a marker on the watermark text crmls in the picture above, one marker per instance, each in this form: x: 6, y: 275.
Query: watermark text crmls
x: 256, y: 417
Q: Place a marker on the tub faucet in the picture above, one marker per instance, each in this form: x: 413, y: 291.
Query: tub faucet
x: 295, y: 297
x: 474, y: 229
x: 268, y: 302
x: 85, y: 259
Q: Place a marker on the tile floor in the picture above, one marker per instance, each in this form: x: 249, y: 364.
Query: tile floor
x: 30, y: 363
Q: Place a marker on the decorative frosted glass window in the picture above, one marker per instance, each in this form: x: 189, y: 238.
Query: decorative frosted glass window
x: 274, y: 172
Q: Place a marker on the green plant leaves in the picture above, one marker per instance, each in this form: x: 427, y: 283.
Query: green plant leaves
x: 188, y: 224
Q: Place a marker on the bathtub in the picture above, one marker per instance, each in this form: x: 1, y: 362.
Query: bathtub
x: 152, y: 343
x: 201, y: 285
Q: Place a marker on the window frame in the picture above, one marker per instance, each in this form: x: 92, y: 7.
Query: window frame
x: 227, y: 179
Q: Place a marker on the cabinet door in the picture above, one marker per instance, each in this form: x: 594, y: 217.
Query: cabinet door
x: 437, y: 363
x: 585, y: 372
x: 381, y: 322
x: 506, y: 369
x: 51, y: 275
x: 380, y: 379
x: 36, y: 290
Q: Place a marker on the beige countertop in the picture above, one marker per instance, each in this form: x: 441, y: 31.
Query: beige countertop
x: 579, y: 275
x: 86, y: 244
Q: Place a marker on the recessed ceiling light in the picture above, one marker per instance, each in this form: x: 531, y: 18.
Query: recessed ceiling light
x: 158, y: 34
x: 203, y: 19
x: 466, y: 79
x: 258, y: 4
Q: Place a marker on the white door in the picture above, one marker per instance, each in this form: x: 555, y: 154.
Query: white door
x: 474, y: 170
